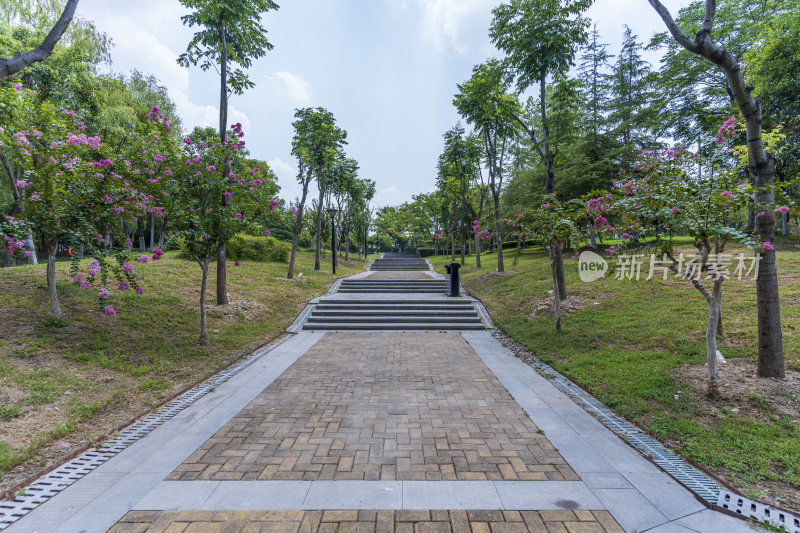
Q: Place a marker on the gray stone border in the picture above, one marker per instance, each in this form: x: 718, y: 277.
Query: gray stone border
x: 51, y: 484
x: 638, y: 494
x: 369, y: 495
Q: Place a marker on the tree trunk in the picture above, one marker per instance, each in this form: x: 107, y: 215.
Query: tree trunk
x: 784, y: 224
x: 52, y: 248
x: 203, y: 285
x: 477, y: 252
x: 714, y: 307
x: 497, y: 235
x: 222, y: 275
x: 298, y: 225
x: 32, y: 259
x: 556, y: 290
x: 461, y: 235
x: 162, y: 228
x: 222, y: 267
x: 317, y: 264
x: 9, y: 67
x: 562, y: 286
x: 152, y: 232
x: 140, y: 230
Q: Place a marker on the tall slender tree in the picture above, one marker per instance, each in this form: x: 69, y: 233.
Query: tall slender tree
x: 484, y: 102
x: 540, y: 39
x: 315, y: 131
x: 762, y: 175
x: 229, y: 33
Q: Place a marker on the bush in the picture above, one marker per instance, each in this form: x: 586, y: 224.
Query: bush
x: 263, y: 249
x: 426, y: 252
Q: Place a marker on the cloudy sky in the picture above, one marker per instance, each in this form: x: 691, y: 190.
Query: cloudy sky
x: 387, y: 69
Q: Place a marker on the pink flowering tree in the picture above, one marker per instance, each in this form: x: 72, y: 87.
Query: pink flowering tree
x: 668, y: 198
x: 197, y: 214
x: 69, y: 188
x: 551, y: 225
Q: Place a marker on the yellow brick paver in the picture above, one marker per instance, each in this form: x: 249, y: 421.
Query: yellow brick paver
x: 353, y: 521
x: 381, y: 406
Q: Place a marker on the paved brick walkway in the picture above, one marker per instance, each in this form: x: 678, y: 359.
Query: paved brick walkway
x: 368, y: 522
x: 381, y: 406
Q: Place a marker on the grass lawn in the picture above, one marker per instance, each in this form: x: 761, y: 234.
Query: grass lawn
x: 63, y: 387
x: 639, y: 346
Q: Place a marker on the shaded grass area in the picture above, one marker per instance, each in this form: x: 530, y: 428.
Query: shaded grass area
x: 632, y: 344
x: 64, y: 385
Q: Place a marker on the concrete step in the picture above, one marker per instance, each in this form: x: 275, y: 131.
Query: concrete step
x: 392, y: 291
x: 392, y: 302
x: 344, y: 319
x: 393, y: 326
x: 395, y: 313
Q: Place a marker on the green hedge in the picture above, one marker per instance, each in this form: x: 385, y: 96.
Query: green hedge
x: 250, y: 248
x: 263, y: 249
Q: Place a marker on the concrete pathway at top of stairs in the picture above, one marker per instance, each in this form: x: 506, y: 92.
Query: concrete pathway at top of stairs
x: 380, y: 431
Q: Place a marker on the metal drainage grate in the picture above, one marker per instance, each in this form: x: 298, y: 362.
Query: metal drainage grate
x: 690, y: 477
x: 758, y: 511
x: 65, y: 475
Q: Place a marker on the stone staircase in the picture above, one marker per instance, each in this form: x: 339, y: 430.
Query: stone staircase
x: 393, y: 286
x: 396, y: 261
x: 394, y: 314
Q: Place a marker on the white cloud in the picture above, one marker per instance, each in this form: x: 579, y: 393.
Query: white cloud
x: 297, y: 88
x: 391, y: 195
x: 461, y: 22
x: 136, y: 47
x: 287, y: 179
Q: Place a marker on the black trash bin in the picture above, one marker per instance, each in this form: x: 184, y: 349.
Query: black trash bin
x: 455, y: 278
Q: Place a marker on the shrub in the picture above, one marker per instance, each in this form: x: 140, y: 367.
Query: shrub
x: 264, y: 249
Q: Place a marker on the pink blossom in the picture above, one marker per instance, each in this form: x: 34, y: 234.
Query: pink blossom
x: 237, y: 215
x: 139, y: 290
x: 127, y: 268
x: 767, y: 246
x: 237, y: 263
x: 109, y: 310
x: 103, y: 294
x: 726, y: 194
x: 142, y: 259
x: 85, y: 285
x: 782, y: 209
x: 124, y: 286
x: 157, y: 254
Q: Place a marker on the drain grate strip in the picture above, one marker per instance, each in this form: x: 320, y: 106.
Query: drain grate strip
x: 694, y: 480
x: 65, y: 475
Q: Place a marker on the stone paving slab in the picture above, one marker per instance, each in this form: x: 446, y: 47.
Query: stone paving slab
x: 368, y: 521
x: 381, y: 406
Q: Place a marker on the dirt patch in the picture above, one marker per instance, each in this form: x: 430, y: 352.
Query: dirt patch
x: 747, y: 394
x: 543, y: 306
x: 238, y: 310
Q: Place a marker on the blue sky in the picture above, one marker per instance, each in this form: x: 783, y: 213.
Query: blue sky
x: 387, y: 69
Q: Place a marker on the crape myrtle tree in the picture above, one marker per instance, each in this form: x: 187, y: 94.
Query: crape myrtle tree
x: 667, y: 198
x: 193, y: 193
x: 540, y: 39
x: 70, y: 192
x: 762, y: 176
x: 484, y: 101
x: 551, y: 224
x: 229, y: 33
x: 315, y: 134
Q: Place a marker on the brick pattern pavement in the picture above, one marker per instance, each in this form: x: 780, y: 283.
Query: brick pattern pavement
x: 381, y: 406
x: 397, y: 274
x: 367, y: 522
